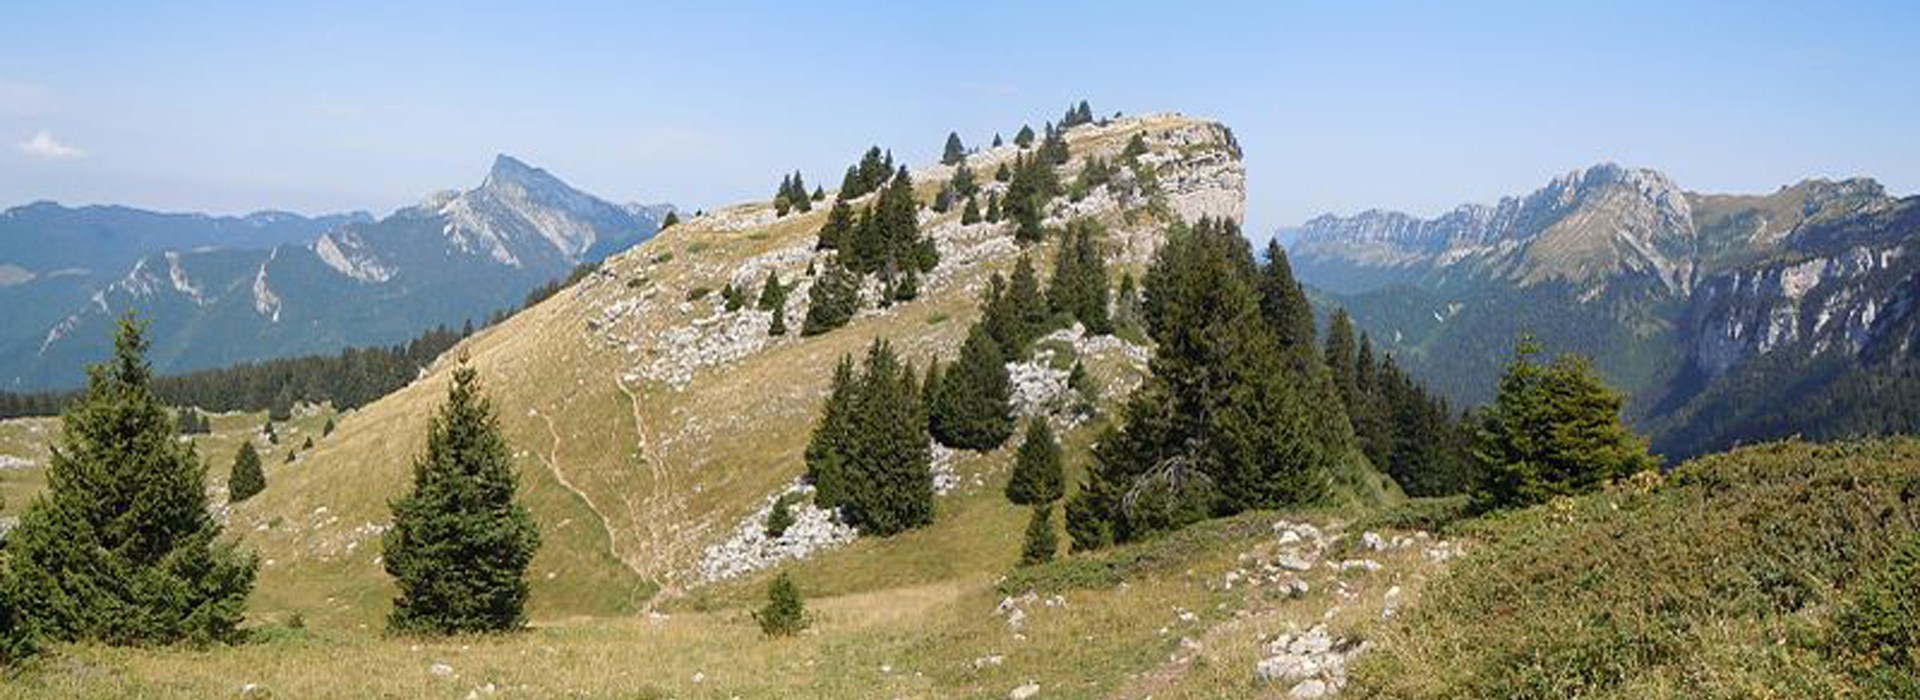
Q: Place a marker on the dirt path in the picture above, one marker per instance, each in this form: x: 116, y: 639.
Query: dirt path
x: 552, y: 460
x: 655, y: 510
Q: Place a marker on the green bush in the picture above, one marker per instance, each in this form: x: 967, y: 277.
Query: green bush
x: 1877, y: 628
x: 785, y: 614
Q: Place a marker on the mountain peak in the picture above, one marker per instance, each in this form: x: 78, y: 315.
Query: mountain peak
x: 507, y: 168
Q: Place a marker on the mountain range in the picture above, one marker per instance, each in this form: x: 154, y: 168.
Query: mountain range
x: 221, y: 290
x: 1729, y: 318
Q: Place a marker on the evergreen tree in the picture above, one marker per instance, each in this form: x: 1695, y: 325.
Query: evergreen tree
x: 785, y: 614
x: 833, y: 437
x: 963, y: 182
x: 782, y: 198
x: 673, y: 217
x: 1126, y: 305
x: 970, y: 214
x: 306, y: 444
x: 778, y: 326
x: 1136, y: 147
x: 1341, y: 356
x: 1041, y: 543
x: 1079, y: 285
x: 873, y: 453
x: 1002, y: 173
x: 993, y: 208
x: 972, y: 408
x: 120, y: 548
x: 460, y: 542
x: 955, y: 152
x: 1030, y: 312
x: 819, y: 194
x: 1284, y: 303
x: 273, y: 437
x: 781, y: 516
x: 773, y: 294
x: 839, y: 225
x: 996, y: 140
x: 1091, y: 512
x: 1024, y: 138
x: 832, y: 303
x: 327, y: 429
x: 797, y: 194
x: 1553, y: 429
x: 1037, y: 478
x: 1221, y: 425
x: 246, y: 479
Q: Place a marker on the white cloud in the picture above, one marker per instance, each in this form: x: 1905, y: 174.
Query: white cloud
x: 43, y: 145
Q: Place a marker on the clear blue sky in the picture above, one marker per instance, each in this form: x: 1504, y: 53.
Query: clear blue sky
x: 235, y: 106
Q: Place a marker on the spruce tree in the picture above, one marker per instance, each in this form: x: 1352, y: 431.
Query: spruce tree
x: 839, y: 225
x: 955, y: 152
x: 797, y: 196
x: 121, y: 548
x: 327, y: 429
x: 1341, y: 356
x: 460, y: 542
x: 1041, y: 543
x: 1079, y: 285
x: 1091, y: 511
x: 785, y: 614
x: 873, y: 452
x: 1284, y: 303
x: 970, y: 213
x: 780, y: 517
x: 1002, y: 173
x: 246, y: 479
x: 782, y: 198
x: 1028, y: 306
x: 1037, y: 478
x: 972, y: 408
x: 833, y: 301
x: 993, y: 214
x: 673, y: 217
x: 833, y: 436
x: 1024, y: 138
x: 963, y: 182
x: 996, y: 140
x: 1553, y: 429
x: 773, y: 294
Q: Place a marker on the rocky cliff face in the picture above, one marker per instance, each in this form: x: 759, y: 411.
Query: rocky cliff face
x: 1671, y: 291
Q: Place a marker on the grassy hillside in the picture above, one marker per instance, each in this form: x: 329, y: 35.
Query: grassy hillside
x: 1722, y: 582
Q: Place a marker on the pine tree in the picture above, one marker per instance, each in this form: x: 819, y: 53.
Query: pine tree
x: 832, y: 303
x: 797, y: 194
x: 773, y: 294
x: 1552, y: 430
x: 1079, y: 285
x: 1091, y: 511
x: 1037, y: 478
x: 1341, y: 356
x: 1028, y: 306
x: 972, y: 408
x: 1002, y: 173
x: 872, y: 454
x: 1126, y: 305
x: 327, y: 429
x: 121, y: 548
x: 306, y: 444
x: 1041, y: 542
x: 1284, y: 303
x: 785, y: 614
x: 782, y: 198
x: 780, y: 517
x: 833, y: 436
x: 839, y: 225
x: 673, y: 217
x: 819, y: 194
x: 955, y: 152
x: 996, y: 140
x: 460, y: 542
x: 993, y: 208
x: 1136, y: 147
x: 1024, y: 138
x: 963, y: 181
x: 246, y: 479
x: 970, y: 213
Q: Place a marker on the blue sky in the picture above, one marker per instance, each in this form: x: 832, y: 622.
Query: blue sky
x: 235, y: 106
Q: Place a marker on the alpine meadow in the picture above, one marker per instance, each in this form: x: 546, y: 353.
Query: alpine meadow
x: 1137, y: 351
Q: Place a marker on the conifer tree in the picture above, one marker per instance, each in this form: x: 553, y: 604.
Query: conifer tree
x: 993, y: 208
x: 246, y: 479
x: 1553, y: 429
x: 833, y: 437
x: 963, y: 182
x: 773, y: 294
x: 955, y: 152
x: 327, y: 429
x: 797, y: 194
x: 1284, y: 303
x: 872, y: 451
x: 1024, y: 138
x: 673, y: 217
x: 970, y: 213
x: 819, y: 194
x: 460, y: 542
x: 1002, y: 173
x: 1028, y: 306
x: 1041, y: 543
x: 121, y: 548
x: 273, y: 437
x: 972, y: 408
x: 1091, y: 511
x: 1126, y: 304
x: 1037, y: 478
x: 306, y: 444
x: 785, y: 614
x: 996, y: 140
x: 1079, y: 285
x: 1136, y: 147
x: 781, y: 516
x: 839, y: 225
x: 782, y: 197
x: 832, y: 303
x: 1341, y: 356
